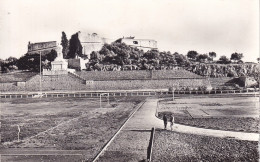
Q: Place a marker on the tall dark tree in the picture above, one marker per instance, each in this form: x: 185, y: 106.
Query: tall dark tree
x: 223, y: 60
x: 75, y: 47
x: 65, y: 44
x: 236, y: 56
x: 192, y: 54
x: 51, y: 55
x: 202, y: 57
x: 29, y: 62
x: 212, y: 55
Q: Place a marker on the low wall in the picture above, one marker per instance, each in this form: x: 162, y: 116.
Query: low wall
x: 68, y: 82
x: 58, y: 82
x: 137, y: 74
x: 54, y: 72
x: 111, y: 80
x: 146, y: 84
x: 218, y: 82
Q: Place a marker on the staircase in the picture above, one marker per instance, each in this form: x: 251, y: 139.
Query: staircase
x: 83, y: 81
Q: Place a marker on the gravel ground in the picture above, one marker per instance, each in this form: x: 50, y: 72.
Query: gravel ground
x: 241, y: 124
x: 230, y: 113
x: 171, y: 146
x: 75, y: 124
x: 127, y: 146
x: 45, y: 158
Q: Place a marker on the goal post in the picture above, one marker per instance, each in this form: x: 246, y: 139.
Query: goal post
x: 100, y: 98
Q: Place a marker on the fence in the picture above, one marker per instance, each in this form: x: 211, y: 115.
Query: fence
x: 118, y: 93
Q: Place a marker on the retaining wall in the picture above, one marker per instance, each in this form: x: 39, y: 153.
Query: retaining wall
x: 146, y: 84
x: 67, y: 82
x: 137, y: 74
x: 111, y: 80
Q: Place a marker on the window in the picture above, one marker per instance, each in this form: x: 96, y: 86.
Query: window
x: 135, y: 42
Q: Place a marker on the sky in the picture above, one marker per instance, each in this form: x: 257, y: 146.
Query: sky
x: 222, y: 26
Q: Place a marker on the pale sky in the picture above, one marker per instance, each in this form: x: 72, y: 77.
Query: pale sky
x: 222, y: 26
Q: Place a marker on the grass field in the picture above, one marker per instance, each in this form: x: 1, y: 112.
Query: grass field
x: 172, y: 146
x: 230, y: 113
x: 62, y: 123
x: 127, y: 146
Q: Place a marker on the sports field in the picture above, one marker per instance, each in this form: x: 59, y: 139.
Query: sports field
x: 59, y: 125
x: 224, y: 113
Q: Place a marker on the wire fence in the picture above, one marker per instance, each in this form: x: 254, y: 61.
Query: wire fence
x: 120, y: 93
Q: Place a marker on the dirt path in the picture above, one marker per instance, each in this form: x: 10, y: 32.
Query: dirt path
x: 146, y: 119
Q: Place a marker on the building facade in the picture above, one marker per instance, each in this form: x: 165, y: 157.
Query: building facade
x: 41, y: 47
x: 91, y: 42
x: 144, y: 44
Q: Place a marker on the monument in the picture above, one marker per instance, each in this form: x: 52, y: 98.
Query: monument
x: 59, y: 63
x: 59, y: 66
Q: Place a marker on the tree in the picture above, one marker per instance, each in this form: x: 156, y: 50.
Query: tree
x: 75, y: 47
x: 192, y: 54
x: 65, y: 44
x: 236, y: 56
x: 223, y: 60
x: 202, y: 57
x: 29, y: 62
x: 151, y: 54
x: 9, y: 64
x: 181, y: 60
x: 258, y: 59
x: 212, y: 55
x: 51, y: 55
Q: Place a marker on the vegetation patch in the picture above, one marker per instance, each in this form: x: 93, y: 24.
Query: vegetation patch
x: 128, y: 146
x: 66, y: 125
x: 244, y: 124
x: 172, y: 146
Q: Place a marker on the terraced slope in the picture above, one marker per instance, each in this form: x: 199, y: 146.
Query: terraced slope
x: 138, y: 75
x: 16, y: 77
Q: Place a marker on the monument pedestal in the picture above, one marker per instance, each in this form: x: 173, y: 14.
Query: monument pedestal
x: 59, y: 65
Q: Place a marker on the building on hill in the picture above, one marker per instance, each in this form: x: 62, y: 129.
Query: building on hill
x: 92, y: 42
x: 144, y: 44
x: 41, y: 47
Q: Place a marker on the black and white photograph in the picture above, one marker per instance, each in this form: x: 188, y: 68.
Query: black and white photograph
x: 129, y: 81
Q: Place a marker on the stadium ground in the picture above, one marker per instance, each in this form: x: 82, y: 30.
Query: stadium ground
x: 81, y: 116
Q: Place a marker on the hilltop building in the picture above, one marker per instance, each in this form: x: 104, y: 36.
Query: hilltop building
x: 92, y: 42
x: 41, y: 47
x: 144, y: 44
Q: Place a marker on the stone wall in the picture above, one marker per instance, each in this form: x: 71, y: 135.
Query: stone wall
x: 147, y: 84
x: 58, y: 82
x: 218, y: 82
x: 43, y: 47
x: 54, y: 72
x: 7, y: 87
x: 16, y: 77
x: 137, y: 74
x: 112, y: 80
x: 70, y: 82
